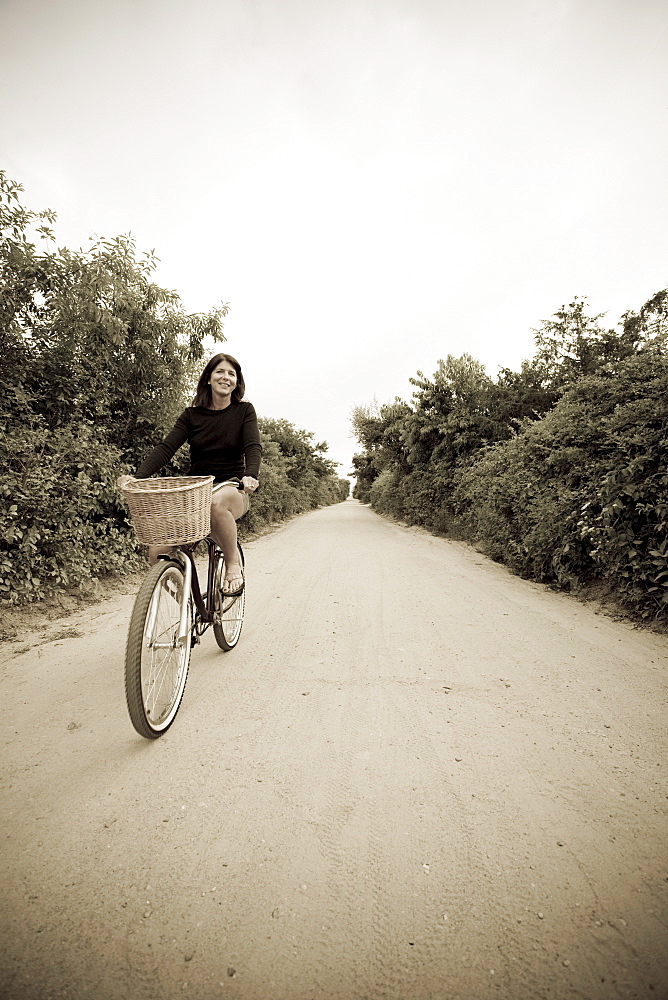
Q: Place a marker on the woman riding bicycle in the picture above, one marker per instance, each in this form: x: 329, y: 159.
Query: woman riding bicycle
x: 221, y: 429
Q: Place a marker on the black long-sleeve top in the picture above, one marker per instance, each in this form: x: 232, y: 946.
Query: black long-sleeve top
x: 223, y: 443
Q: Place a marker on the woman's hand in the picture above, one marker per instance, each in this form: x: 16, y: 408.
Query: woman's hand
x: 250, y: 484
x: 122, y: 480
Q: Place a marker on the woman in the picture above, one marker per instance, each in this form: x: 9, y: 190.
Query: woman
x: 224, y: 440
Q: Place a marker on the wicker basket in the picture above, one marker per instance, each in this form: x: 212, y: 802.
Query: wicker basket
x: 170, y: 511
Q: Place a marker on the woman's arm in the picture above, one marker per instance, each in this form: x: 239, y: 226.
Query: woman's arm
x: 252, y: 446
x: 162, y: 453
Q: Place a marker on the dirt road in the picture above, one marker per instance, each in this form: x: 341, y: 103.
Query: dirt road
x: 416, y: 777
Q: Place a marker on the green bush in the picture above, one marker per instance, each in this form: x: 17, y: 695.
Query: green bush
x: 383, y: 494
x: 425, y: 499
x: 519, y: 512
x: 583, y: 494
x: 96, y: 363
x: 61, y: 522
x: 624, y: 522
x: 559, y: 471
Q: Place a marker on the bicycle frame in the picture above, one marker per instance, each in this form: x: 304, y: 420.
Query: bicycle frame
x: 204, y: 604
x: 205, y: 610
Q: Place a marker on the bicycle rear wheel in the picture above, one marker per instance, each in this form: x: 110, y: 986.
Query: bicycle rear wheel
x: 156, y: 664
x: 229, y: 611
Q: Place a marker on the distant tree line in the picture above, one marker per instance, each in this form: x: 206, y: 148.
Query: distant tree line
x: 558, y: 470
x: 96, y: 361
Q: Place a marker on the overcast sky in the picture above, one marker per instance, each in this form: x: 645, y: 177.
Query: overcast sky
x: 370, y: 184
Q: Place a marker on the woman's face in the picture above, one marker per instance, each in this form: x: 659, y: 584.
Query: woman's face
x: 223, y: 378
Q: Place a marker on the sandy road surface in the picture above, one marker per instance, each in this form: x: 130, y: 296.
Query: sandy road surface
x: 451, y: 789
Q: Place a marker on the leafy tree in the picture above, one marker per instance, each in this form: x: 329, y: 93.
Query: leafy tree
x: 381, y: 432
x: 521, y: 396
x: 96, y: 360
x: 451, y: 416
x: 648, y: 328
x: 304, y: 463
x: 558, y: 469
x: 572, y: 344
x: 582, y: 494
x: 295, y: 476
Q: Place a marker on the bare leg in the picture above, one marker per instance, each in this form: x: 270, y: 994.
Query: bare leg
x: 158, y: 550
x: 227, y: 506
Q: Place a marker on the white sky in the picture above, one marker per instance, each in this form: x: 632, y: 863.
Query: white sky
x: 370, y: 184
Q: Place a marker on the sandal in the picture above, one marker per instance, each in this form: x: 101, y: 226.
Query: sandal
x: 239, y: 590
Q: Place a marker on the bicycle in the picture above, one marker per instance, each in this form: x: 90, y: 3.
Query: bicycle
x: 170, y: 613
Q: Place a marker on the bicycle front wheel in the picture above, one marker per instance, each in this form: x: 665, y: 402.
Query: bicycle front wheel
x: 229, y: 611
x: 156, y: 662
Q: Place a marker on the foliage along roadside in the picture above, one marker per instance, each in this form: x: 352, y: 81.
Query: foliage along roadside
x: 96, y: 361
x: 559, y: 470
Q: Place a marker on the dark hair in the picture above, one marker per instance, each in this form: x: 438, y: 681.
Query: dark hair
x: 203, y: 392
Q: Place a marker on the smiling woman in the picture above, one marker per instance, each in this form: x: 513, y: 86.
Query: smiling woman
x: 221, y: 429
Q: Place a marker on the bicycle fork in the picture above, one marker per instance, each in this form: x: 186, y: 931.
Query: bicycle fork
x: 184, y: 631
